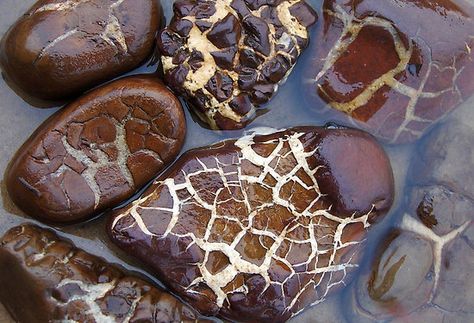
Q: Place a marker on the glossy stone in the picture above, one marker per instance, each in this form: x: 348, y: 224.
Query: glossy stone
x: 227, y: 57
x: 97, y: 151
x: 395, y: 66
x: 260, y: 228
x: 425, y: 273
x: 59, y: 49
x: 46, y: 279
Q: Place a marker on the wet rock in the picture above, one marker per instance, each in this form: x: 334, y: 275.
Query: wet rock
x: 59, y: 49
x: 396, y: 67
x: 97, y: 151
x: 436, y: 284
x: 46, y: 279
x: 260, y: 228
x: 252, y: 44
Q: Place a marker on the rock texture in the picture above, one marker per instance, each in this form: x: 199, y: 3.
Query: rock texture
x: 46, y: 279
x: 395, y: 66
x: 424, y: 272
x: 59, y: 49
x: 260, y: 228
x: 97, y: 151
x: 227, y: 57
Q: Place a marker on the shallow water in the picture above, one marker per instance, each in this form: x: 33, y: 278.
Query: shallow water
x: 19, y: 119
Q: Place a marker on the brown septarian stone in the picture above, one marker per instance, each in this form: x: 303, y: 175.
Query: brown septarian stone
x: 47, y: 279
x: 227, y: 57
x: 260, y: 228
x: 396, y: 66
x: 424, y: 269
x: 97, y: 151
x: 58, y: 49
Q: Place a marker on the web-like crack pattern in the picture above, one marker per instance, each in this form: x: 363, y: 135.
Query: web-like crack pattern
x: 252, y: 208
x: 98, y: 153
x: 437, y: 78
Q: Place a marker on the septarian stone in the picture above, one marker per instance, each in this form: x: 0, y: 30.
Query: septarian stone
x: 258, y: 229
x: 396, y: 66
x: 45, y: 278
x: 251, y: 45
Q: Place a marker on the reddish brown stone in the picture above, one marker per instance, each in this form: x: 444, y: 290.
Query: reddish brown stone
x: 260, y: 228
x: 46, y: 279
x: 245, y: 47
x: 59, y: 49
x: 395, y: 66
x: 97, y: 151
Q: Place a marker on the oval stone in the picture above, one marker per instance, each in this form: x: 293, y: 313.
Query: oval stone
x: 59, y: 49
x: 397, y: 66
x: 260, y: 228
x: 97, y: 151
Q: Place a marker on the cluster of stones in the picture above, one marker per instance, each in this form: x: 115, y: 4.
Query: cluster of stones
x: 227, y: 57
x: 253, y: 229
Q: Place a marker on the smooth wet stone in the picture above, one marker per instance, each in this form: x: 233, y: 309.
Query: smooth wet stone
x: 97, y: 151
x: 260, y: 228
x: 227, y: 57
x: 425, y: 274
x: 59, y: 49
x: 396, y: 66
x: 47, y: 279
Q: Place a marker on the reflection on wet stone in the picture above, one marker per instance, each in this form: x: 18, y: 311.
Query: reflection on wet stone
x: 97, y: 151
x: 60, y: 49
x: 53, y: 281
x: 245, y: 50
x: 260, y: 228
x: 385, y: 64
x: 425, y: 273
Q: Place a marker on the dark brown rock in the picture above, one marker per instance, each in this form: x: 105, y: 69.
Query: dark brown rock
x: 46, y: 279
x: 260, y: 228
x: 252, y: 44
x: 395, y: 66
x: 97, y: 151
x: 59, y: 49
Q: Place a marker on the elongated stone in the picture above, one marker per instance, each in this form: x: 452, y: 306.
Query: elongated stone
x: 47, y: 279
x: 258, y: 229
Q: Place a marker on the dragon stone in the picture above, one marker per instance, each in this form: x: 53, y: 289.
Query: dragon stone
x: 260, y: 228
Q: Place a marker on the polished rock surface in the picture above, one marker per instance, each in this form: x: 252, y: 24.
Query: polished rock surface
x: 97, y: 151
x: 396, y: 67
x: 59, y: 49
x: 47, y: 279
x: 227, y: 57
x: 260, y: 228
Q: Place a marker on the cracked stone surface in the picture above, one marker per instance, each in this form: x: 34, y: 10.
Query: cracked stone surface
x: 228, y: 57
x: 385, y: 65
x: 97, y: 151
x: 53, y: 281
x: 260, y: 228
x: 59, y: 49
x: 424, y: 273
